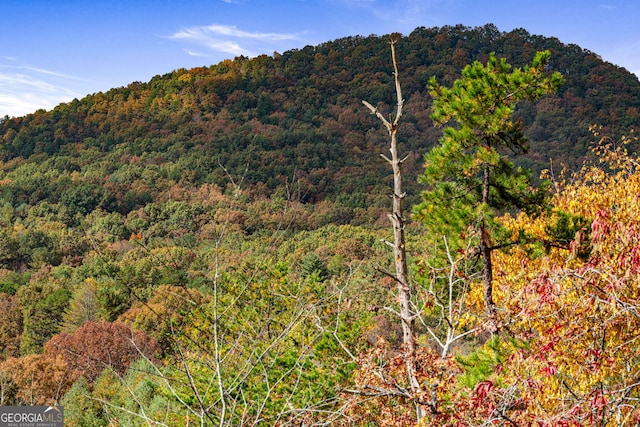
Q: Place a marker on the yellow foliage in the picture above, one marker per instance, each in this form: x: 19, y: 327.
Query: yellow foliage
x: 580, y: 318
x: 568, y: 350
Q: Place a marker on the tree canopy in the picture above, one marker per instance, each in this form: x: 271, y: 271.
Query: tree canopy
x: 209, y: 247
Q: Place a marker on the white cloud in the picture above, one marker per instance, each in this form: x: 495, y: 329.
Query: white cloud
x: 231, y: 40
x: 194, y: 53
x: 25, y: 89
x: 232, y: 30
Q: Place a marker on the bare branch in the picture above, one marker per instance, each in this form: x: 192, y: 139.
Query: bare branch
x: 401, y: 276
x: 378, y: 114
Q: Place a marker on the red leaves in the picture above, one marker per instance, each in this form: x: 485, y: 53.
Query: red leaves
x: 480, y: 393
x: 594, y: 359
x: 44, y: 378
x: 551, y: 337
x: 545, y: 288
x: 630, y: 260
x: 97, y: 345
x: 600, y: 226
x: 598, y: 400
x: 549, y: 370
x: 382, y: 395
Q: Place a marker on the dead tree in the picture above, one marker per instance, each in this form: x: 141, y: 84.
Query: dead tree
x: 401, y: 275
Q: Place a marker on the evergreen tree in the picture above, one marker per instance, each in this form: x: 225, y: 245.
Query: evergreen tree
x: 469, y: 176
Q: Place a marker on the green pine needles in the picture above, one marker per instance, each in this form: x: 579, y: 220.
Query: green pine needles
x: 481, y: 105
x: 469, y: 176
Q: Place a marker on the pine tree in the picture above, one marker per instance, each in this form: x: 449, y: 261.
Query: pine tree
x: 469, y: 176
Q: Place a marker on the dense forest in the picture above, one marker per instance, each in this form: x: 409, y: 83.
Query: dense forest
x: 211, y: 247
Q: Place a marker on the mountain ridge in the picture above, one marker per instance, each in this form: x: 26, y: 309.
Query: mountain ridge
x: 297, y: 116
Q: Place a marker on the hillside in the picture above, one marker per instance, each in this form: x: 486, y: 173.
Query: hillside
x: 210, y: 247
x: 296, y: 118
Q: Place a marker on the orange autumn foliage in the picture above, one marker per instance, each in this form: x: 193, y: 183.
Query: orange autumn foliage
x: 569, y: 313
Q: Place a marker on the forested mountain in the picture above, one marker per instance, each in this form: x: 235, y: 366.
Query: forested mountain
x: 210, y: 247
x: 297, y: 117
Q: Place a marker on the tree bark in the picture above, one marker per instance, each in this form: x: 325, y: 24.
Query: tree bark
x: 407, y: 316
x: 485, y: 252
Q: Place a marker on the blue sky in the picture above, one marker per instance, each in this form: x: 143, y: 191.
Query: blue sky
x: 52, y: 51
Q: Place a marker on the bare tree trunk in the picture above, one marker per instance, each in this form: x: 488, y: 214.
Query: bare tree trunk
x: 407, y: 316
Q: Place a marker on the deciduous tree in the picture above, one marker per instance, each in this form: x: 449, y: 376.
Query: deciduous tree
x: 98, y: 345
x: 38, y: 379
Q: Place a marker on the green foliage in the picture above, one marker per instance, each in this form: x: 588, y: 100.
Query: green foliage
x: 295, y: 122
x: 114, y: 298
x: 43, y: 308
x: 133, y: 399
x: 37, y: 248
x: 10, y: 326
x: 8, y: 288
x: 10, y: 281
x: 313, y: 268
x: 81, y: 199
x: 569, y: 228
x: 83, y: 306
x: 106, y: 227
x: 9, y: 247
x: 255, y: 181
x: 80, y: 408
x: 467, y: 176
x: 483, y: 363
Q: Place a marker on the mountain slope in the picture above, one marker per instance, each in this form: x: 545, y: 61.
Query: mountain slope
x: 296, y: 119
